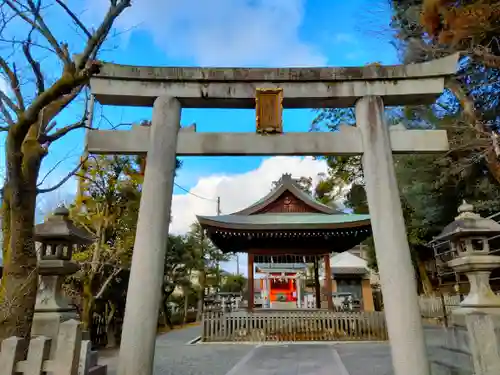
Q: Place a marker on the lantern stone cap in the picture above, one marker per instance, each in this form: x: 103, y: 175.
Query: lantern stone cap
x: 53, y: 267
x: 468, y: 224
x: 59, y: 227
x: 475, y: 262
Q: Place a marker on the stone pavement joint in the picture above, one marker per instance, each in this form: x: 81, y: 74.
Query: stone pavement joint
x: 174, y: 357
x: 295, y: 359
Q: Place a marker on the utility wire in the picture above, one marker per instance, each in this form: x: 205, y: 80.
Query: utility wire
x: 193, y: 194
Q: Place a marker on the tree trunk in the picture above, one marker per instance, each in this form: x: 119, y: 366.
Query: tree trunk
x: 424, y: 278
x: 110, y: 328
x: 166, y: 312
x: 88, y: 306
x: 186, y: 304
x: 201, y: 294
x: 20, y: 275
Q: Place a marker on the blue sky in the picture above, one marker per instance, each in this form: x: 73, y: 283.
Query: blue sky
x: 336, y: 33
x: 222, y: 33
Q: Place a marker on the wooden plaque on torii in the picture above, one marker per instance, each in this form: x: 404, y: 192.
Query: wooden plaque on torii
x: 269, y: 110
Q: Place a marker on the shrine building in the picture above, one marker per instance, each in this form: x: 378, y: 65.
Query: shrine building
x: 283, y: 233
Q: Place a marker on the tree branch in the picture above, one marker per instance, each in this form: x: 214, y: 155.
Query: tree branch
x: 116, y: 8
x: 63, y: 131
x: 41, y: 28
x: 61, y: 49
x: 54, y: 167
x: 54, y: 108
x: 35, y: 66
x: 74, y: 18
x: 14, y: 85
x: 66, y: 85
x: 107, y: 282
x: 8, y: 102
x: 6, y: 115
x: 64, y: 180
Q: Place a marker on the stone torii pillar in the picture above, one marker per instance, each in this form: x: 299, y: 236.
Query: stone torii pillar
x: 146, y: 275
x: 397, y: 275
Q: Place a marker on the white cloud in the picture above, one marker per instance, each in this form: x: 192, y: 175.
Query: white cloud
x: 238, y: 191
x: 344, y: 38
x: 223, y: 32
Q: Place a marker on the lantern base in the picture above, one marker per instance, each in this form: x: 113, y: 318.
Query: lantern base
x: 458, y: 315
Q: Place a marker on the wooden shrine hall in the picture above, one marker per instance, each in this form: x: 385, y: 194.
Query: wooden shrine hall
x: 288, y: 226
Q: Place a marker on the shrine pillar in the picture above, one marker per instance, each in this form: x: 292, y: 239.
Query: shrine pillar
x: 298, y: 285
x: 251, y: 282
x: 146, y: 274
x: 328, y: 282
x: 266, y: 290
x: 402, y: 313
x: 317, y: 287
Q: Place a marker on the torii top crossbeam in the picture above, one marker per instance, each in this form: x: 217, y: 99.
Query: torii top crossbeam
x: 303, y: 87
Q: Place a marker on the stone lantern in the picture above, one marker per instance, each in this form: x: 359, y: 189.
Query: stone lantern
x: 56, y: 239
x: 469, y: 241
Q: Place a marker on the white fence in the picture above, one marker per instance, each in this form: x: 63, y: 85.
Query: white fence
x: 293, y: 325
x: 432, y: 306
x: 72, y: 354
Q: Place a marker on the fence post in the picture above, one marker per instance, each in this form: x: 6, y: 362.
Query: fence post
x: 38, y: 353
x: 483, y: 343
x: 85, y: 357
x: 11, y: 353
x: 67, y: 354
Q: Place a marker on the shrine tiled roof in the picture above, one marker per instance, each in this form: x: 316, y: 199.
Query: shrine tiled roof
x: 292, y: 221
x: 287, y: 183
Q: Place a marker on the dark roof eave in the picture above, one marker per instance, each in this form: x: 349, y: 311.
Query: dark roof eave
x: 206, y: 222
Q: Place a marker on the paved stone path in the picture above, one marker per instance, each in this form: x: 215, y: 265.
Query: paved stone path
x: 174, y: 357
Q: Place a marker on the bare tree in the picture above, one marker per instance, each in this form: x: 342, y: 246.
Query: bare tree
x: 42, y: 77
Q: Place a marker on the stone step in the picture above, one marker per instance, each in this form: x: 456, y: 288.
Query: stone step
x: 94, y: 357
x: 98, y: 370
x: 443, y: 367
x: 447, y: 361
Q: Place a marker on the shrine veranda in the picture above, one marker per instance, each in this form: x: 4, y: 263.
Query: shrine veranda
x: 369, y: 89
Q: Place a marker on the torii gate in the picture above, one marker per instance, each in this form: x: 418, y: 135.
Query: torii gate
x: 369, y: 88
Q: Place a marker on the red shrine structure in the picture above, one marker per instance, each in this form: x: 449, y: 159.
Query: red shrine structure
x: 282, y: 233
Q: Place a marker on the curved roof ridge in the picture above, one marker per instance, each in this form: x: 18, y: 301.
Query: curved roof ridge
x: 287, y: 183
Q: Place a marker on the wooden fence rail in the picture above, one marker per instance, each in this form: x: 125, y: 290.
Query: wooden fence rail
x: 293, y: 326
x: 432, y: 306
x: 72, y: 354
